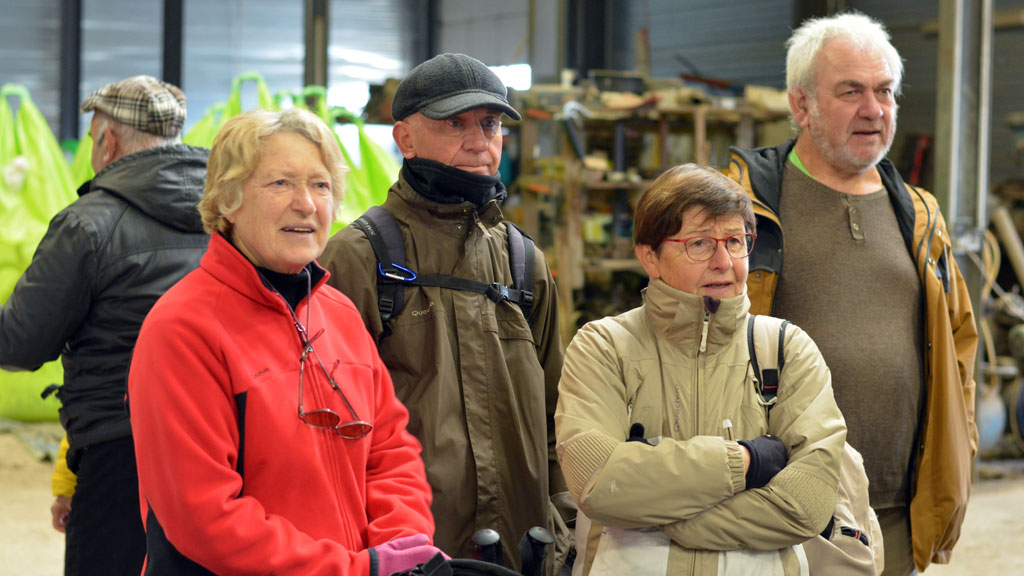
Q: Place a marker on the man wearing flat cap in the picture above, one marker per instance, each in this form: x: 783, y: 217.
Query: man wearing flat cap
x: 478, y: 373
x: 103, y: 262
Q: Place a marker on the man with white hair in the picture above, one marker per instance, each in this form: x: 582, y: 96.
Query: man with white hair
x: 869, y: 274
x: 103, y: 262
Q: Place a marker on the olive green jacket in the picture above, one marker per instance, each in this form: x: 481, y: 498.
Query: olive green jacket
x: 480, y: 381
x: 682, y: 372
x: 948, y: 437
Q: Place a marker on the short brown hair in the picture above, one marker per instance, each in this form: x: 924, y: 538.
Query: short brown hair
x: 659, y: 213
x: 236, y: 154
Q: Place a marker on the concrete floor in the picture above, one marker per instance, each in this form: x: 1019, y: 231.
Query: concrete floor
x: 992, y: 540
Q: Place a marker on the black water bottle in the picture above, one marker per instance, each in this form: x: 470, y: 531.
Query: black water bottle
x: 533, y: 548
x: 487, y: 546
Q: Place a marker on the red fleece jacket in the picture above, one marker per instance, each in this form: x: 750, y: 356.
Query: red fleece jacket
x: 235, y: 481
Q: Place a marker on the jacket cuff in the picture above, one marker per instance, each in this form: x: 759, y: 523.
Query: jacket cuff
x: 582, y: 456
x: 373, y: 561
x: 734, y: 459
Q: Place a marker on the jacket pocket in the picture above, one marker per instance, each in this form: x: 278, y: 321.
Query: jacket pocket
x: 511, y: 325
x: 841, y: 554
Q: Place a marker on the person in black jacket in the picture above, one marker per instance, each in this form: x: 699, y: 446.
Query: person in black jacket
x: 103, y: 262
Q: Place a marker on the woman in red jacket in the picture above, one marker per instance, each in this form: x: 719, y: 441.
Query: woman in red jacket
x: 268, y: 434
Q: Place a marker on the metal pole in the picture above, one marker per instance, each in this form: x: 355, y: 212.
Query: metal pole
x: 70, y: 67
x: 317, y: 26
x: 984, y: 111
x: 948, y: 110
x: 174, y: 16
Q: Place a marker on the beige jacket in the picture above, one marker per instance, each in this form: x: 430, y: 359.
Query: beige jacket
x: 480, y: 381
x: 682, y: 372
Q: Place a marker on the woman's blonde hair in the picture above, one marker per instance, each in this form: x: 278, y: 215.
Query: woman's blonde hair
x: 236, y: 154
x: 659, y: 213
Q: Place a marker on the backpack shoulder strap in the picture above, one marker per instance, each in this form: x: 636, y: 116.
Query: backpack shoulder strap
x: 386, y: 240
x: 521, y: 261
x: 766, y: 336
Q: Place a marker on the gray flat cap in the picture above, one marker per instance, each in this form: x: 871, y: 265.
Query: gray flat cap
x: 448, y: 85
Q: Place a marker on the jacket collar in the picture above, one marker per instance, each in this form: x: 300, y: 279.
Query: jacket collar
x: 765, y: 167
x: 229, y: 266
x: 678, y: 317
x: 411, y: 205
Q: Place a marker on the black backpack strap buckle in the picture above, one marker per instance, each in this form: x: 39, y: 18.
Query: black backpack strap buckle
x: 497, y: 292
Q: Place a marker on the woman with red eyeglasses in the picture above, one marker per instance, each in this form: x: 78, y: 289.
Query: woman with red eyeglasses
x: 663, y: 436
x: 268, y: 434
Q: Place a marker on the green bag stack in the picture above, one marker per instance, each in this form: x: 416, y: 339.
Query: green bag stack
x: 35, y: 184
x: 368, y: 181
x: 205, y: 130
x: 375, y: 174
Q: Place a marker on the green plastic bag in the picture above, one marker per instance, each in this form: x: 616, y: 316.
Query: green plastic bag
x: 370, y: 180
x: 35, y: 184
x: 206, y: 129
x: 355, y: 181
x: 47, y: 176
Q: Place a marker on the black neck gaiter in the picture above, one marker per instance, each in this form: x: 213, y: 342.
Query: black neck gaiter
x: 446, y: 185
x: 293, y: 287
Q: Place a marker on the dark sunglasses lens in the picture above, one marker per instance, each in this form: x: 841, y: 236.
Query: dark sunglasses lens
x: 321, y: 418
x: 354, y: 430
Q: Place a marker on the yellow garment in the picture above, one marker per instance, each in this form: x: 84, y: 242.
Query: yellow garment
x: 63, y: 481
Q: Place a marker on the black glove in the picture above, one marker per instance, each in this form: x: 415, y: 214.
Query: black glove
x: 767, y: 457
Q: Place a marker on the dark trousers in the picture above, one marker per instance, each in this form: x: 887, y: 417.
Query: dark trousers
x: 104, y: 533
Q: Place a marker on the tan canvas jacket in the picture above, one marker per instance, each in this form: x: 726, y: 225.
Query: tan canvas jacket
x: 948, y: 439
x: 479, y: 382
x: 683, y: 373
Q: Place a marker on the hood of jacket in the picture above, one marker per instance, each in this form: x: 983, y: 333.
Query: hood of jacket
x: 164, y: 183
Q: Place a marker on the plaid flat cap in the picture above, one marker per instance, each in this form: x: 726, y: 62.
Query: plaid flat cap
x: 142, y: 102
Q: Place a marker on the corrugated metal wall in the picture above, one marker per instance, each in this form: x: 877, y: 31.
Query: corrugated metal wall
x: 497, y: 33
x: 743, y: 41
x: 30, y: 52
x: 1007, y: 97
x: 370, y: 42
x: 120, y: 38
x: 226, y: 38
x: 492, y: 32
x: 739, y: 40
x: 222, y: 39
x: 920, y: 53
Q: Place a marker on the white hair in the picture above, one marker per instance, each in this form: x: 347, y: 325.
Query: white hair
x: 129, y: 139
x: 807, y: 41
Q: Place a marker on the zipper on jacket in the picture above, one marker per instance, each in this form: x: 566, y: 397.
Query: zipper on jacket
x: 727, y: 426
x: 704, y: 332
x: 479, y: 224
x: 699, y: 364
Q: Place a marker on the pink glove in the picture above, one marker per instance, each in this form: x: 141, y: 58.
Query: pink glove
x: 401, y: 554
